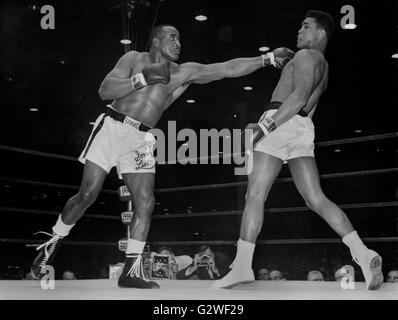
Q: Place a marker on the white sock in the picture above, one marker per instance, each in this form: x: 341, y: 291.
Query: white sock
x: 354, y: 242
x: 61, y: 228
x: 135, y: 246
x: 244, y: 254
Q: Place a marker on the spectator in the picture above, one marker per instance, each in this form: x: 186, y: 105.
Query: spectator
x: 182, y: 261
x: 315, y: 275
x: 223, y: 261
x: 276, y: 275
x: 203, y: 266
x: 392, y: 276
x: 263, y: 274
x: 29, y: 276
x: 68, y: 275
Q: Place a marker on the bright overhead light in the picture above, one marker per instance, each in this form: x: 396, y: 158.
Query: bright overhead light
x: 358, y: 131
x: 337, y: 150
x: 248, y: 88
x: 33, y: 109
x: 395, y: 56
x: 125, y: 41
x: 92, y: 123
x: 263, y: 49
x: 200, y: 17
x: 350, y: 26
x: 190, y: 101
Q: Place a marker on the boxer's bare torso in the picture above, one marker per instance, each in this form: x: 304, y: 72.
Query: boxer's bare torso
x: 148, y: 104
x: 285, y: 85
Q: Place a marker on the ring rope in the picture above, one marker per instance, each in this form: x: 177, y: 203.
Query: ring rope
x: 202, y: 242
x: 31, y: 242
x: 357, y: 139
x: 318, y: 144
x: 37, y: 153
x: 243, y: 183
x: 206, y: 214
x: 273, y: 241
x: 55, y: 213
x: 207, y: 186
x: 275, y: 210
x: 48, y: 184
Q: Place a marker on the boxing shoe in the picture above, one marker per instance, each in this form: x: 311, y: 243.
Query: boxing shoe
x: 133, y: 275
x: 46, y: 254
x: 234, y: 277
x: 370, y: 263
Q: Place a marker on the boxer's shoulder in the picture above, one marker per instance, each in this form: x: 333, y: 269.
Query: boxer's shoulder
x: 308, y: 56
x: 304, y: 53
x: 135, y: 56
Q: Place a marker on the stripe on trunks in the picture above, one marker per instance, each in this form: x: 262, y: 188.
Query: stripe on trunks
x: 96, y: 130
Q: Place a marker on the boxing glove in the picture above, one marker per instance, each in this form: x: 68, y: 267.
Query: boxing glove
x: 254, y: 132
x: 151, y: 74
x: 278, y: 57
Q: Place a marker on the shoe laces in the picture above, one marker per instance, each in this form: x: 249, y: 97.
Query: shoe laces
x: 48, y: 246
x: 136, y: 269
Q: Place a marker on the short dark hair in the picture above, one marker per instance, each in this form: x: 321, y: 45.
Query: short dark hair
x: 202, y: 249
x: 324, y: 20
x: 167, y: 249
x: 156, y: 31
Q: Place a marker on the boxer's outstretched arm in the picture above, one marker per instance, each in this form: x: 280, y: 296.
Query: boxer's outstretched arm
x: 205, y: 73
x: 117, y: 83
x: 304, y: 82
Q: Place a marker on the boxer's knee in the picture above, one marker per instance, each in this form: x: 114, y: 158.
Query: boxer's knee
x: 87, y: 196
x: 256, y: 194
x: 145, y: 201
x: 315, y: 201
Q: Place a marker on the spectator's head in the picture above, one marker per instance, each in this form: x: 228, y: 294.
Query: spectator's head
x: 68, y: 275
x: 315, y: 275
x: 29, y: 276
x: 276, y: 275
x: 346, y: 270
x: 205, y: 251
x: 392, y: 276
x: 222, y: 260
x: 166, y: 251
x: 263, y: 274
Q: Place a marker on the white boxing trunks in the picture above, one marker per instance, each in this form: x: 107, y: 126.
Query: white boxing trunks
x: 292, y: 139
x: 113, y: 143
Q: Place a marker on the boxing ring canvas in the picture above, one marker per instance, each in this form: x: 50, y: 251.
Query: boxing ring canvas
x: 193, y: 290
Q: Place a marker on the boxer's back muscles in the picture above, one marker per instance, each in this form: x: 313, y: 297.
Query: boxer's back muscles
x: 285, y: 85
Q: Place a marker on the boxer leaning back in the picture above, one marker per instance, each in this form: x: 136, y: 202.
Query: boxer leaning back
x: 285, y: 133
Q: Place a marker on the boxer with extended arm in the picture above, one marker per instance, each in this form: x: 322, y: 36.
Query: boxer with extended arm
x: 142, y: 86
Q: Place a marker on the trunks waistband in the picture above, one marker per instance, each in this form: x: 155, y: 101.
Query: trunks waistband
x: 126, y: 119
x: 277, y: 104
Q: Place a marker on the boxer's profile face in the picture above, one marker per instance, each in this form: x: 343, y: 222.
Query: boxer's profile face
x: 308, y: 35
x: 170, y: 45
